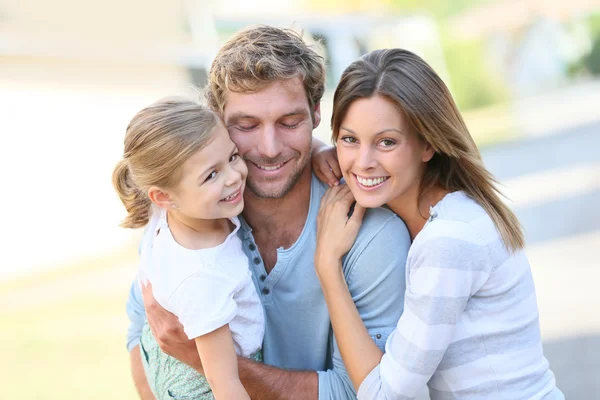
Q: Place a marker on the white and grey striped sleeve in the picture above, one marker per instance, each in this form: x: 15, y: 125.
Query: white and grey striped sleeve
x: 448, y: 263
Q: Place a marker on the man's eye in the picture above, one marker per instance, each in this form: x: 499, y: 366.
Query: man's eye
x: 293, y: 126
x: 246, y: 128
x: 211, y: 176
x: 349, y: 139
x: 234, y: 157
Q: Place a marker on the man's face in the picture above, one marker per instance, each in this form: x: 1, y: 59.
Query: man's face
x: 272, y: 129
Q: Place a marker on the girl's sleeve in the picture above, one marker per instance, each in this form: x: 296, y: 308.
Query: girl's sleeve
x: 203, y: 303
x: 443, y: 273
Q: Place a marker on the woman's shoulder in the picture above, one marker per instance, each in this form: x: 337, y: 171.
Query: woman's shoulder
x: 458, y: 226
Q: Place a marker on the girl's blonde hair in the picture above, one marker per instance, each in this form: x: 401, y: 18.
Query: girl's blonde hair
x: 411, y: 83
x: 158, y: 140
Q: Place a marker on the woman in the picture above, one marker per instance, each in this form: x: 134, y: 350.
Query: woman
x: 470, y: 326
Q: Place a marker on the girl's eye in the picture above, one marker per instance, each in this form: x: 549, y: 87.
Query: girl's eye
x: 349, y: 139
x: 387, y: 142
x: 234, y: 157
x: 211, y: 176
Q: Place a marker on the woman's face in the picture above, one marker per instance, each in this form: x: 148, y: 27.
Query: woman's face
x: 381, y: 156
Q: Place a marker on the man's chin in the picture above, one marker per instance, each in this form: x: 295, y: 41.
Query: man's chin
x: 269, y: 190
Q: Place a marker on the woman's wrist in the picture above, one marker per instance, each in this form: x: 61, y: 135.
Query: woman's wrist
x: 329, y: 269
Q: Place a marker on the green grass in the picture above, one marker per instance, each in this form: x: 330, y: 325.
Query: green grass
x: 59, y: 341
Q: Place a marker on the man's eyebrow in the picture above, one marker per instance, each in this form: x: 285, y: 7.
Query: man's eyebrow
x: 237, y: 116
x: 378, y: 133
x: 298, y: 111
x: 233, y: 118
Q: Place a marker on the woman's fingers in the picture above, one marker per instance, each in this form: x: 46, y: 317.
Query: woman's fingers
x: 335, y: 169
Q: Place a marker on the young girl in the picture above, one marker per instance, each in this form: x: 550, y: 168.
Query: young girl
x: 182, y: 178
x: 470, y: 327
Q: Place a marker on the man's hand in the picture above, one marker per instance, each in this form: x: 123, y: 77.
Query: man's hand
x: 168, y: 332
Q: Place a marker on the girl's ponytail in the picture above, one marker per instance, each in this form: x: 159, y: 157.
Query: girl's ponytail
x: 136, y: 202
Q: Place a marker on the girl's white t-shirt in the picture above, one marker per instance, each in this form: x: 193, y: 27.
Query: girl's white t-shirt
x: 204, y: 288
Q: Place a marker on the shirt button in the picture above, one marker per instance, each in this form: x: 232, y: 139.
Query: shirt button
x: 263, y: 277
x: 252, y: 247
x: 378, y: 336
x: 256, y: 260
x: 266, y: 291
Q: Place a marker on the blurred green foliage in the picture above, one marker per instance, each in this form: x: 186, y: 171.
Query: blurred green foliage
x: 437, y: 8
x: 592, y: 60
x: 472, y: 82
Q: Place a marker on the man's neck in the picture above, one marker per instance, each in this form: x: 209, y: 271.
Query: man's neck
x: 272, y: 216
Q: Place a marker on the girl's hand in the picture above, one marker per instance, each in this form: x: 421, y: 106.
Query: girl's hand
x: 336, y: 232
x: 325, y: 165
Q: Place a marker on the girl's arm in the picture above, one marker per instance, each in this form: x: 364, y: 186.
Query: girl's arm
x: 325, y: 163
x: 219, y: 361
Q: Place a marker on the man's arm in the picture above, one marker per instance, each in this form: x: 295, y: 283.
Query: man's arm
x: 137, y: 317
x: 261, y: 381
x: 139, y: 377
x: 264, y: 382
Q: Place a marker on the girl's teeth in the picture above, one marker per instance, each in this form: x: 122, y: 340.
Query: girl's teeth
x: 231, y: 197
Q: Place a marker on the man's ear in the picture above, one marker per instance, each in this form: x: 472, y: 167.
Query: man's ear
x: 317, y: 115
x: 428, y: 152
x: 160, y: 198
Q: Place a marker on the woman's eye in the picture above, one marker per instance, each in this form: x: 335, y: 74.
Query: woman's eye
x: 349, y: 139
x: 234, y: 157
x: 211, y: 176
x: 387, y: 142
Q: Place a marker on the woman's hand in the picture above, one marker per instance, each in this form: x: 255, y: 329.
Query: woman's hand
x: 325, y: 164
x: 168, y: 331
x: 336, y: 232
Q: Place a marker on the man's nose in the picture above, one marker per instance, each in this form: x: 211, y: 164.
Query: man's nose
x: 269, y: 142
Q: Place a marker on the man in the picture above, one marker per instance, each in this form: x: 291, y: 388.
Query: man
x: 267, y: 84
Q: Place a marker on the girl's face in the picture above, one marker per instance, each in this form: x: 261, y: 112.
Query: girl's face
x: 213, y: 180
x: 381, y: 156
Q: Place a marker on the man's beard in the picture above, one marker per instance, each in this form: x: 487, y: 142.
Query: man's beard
x: 287, y: 186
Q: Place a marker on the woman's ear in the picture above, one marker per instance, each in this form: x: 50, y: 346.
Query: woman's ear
x: 160, y: 198
x: 428, y: 153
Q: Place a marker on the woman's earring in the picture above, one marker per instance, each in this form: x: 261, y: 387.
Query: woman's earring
x: 174, y: 205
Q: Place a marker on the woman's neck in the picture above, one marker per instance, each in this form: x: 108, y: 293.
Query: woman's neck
x: 413, y: 207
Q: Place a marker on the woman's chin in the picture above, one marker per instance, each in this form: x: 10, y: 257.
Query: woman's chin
x: 369, y: 201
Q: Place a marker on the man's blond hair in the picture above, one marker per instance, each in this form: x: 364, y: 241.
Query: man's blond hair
x: 259, y: 55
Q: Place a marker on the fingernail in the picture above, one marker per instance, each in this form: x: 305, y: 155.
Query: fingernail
x: 337, y: 183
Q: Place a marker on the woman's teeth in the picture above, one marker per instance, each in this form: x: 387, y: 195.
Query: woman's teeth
x: 371, y: 181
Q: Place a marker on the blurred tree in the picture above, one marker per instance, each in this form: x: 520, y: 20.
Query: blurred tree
x: 473, y: 83
x: 438, y: 8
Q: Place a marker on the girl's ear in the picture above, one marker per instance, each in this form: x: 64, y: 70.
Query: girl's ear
x: 160, y: 198
x: 428, y: 153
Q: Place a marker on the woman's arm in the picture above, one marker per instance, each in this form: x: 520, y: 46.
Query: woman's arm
x: 219, y: 361
x: 336, y: 232
x: 360, y: 354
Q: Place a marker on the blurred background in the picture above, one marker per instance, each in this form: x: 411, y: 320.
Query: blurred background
x: 526, y: 75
